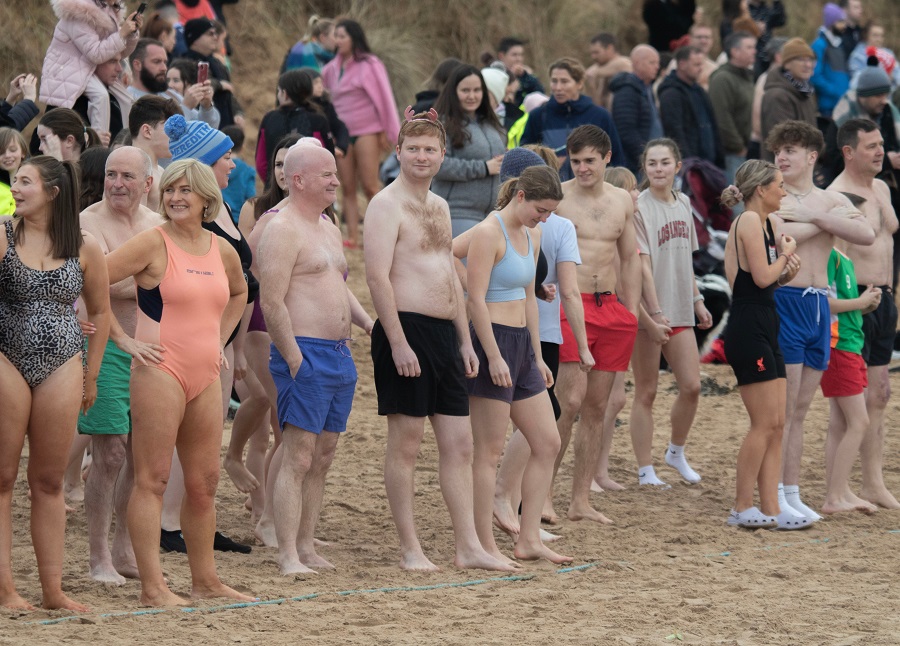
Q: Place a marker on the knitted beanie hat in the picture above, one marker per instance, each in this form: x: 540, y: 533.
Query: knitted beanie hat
x: 195, y: 28
x: 832, y: 14
x: 196, y: 140
x: 496, y: 82
x: 796, y: 48
x: 534, y: 100
x: 517, y: 160
x: 873, y: 81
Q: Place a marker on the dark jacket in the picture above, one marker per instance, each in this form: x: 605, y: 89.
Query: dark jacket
x: 425, y: 100
x: 633, y: 116
x: 773, y: 16
x: 528, y: 83
x: 288, y: 120
x: 689, y: 119
x: 222, y: 98
x: 667, y: 21
x: 17, y: 116
x: 731, y: 92
x: 782, y: 101
x: 551, y: 124
x: 339, y: 131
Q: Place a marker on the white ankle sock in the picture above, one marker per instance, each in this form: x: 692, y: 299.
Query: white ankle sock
x: 792, y: 496
x: 675, y: 458
x: 647, y: 476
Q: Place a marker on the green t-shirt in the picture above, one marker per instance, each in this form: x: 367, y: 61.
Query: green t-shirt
x: 846, y: 327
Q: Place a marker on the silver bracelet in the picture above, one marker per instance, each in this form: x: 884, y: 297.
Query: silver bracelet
x: 698, y: 298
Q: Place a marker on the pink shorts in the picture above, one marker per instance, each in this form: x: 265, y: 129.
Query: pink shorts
x: 846, y: 375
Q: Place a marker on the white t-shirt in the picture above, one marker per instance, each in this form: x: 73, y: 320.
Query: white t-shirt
x: 559, y: 244
x: 665, y: 232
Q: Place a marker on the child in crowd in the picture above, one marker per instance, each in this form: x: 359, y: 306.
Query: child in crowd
x: 242, y: 180
x: 13, y: 152
x: 89, y: 32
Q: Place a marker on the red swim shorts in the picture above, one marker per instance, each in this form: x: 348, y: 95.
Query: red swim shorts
x: 611, y: 330
x: 846, y: 375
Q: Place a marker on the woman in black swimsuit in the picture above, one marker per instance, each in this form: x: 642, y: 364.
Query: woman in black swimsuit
x: 46, y: 263
x: 753, y: 265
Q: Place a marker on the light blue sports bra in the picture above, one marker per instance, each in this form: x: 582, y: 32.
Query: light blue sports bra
x: 512, y: 274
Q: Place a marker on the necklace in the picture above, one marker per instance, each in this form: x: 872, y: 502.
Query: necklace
x: 799, y: 196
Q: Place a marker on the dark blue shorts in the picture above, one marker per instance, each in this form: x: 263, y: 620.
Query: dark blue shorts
x: 515, y: 348
x: 805, y: 332
x: 320, y: 396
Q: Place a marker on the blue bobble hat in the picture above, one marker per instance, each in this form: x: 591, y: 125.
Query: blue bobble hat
x: 196, y: 140
x: 517, y: 160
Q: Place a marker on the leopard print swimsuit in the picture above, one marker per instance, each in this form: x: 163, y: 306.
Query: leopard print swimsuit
x: 39, y: 331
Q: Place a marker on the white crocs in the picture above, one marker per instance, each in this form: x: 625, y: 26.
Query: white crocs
x: 751, y: 518
x: 790, y: 520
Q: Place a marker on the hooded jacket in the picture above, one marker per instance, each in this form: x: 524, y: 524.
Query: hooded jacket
x: 633, y: 116
x: 831, y: 77
x: 782, y: 101
x: 683, y: 123
x: 551, y: 123
x: 85, y: 36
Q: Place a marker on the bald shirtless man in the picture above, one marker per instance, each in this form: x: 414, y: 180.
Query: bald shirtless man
x: 421, y: 346
x: 113, y: 221
x: 814, y: 218
x: 602, y: 215
x: 862, y: 146
x: 308, y: 310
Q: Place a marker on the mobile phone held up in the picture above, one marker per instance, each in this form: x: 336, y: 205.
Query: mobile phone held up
x: 141, y: 9
x: 202, y: 72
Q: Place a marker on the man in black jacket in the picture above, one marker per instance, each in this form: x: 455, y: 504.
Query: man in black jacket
x: 202, y: 39
x: 688, y: 116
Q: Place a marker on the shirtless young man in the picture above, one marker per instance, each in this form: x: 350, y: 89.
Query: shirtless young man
x: 113, y: 221
x: 862, y: 146
x: 301, y: 263
x: 602, y: 215
x: 421, y: 347
x: 814, y: 218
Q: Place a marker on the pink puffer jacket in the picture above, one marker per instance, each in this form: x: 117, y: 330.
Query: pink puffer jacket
x: 85, y: 36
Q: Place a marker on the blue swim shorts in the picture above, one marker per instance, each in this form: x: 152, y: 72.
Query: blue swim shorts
x: 805, y: 332
x: 320, y: 396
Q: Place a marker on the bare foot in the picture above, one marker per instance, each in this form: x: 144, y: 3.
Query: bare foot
x: 292, y: 566
x: 60, y: 601
x: 849, y: 502
x: 248, y: 505
x: 106, y: 573
x: 505, y: 526
x: 578, y: 512
x: 608, y: 484
x: 595, y: 486
x: 881, y: 497
x: 313, y: 560
x: 547, y: 537
x: 15, y: 602
x: 481, y: 560
x: 499, y: 556
x: 70, y: 509
x: 162, y: 598
x: 218, y: 591
x: 243, y: 480
x: 75, y: 493
x: 528, y: 553
x: 265, y: 534
x: 417, y: 562
x: 320, y: 543
x: 123, y: 559
x: 548, y: 515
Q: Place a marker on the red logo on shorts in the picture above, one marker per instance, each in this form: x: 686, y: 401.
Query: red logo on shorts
x: 760, y: 366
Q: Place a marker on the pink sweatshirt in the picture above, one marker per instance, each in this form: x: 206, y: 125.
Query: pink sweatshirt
x: 363, y: 97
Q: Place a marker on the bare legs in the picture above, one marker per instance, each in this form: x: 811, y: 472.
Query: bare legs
x: 878, y: 395
x: 602, y: 480
x: 847, y: 425
x: 359, y: 167
x: 299, y: 488
x: 802, y: 383
x: 47, y: 413
x: 759, y: 459
x: 163, y: 421
x: 681, y: 353
x: 454, y: 440
x: 490, y: 419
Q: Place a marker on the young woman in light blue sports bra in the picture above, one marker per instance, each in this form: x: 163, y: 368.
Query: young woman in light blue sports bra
x: 512, y: 378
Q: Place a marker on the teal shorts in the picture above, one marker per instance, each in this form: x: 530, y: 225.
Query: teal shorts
x: 111, y: 413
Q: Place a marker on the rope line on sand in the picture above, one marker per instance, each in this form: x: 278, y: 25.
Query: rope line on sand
x: 306, y: 597
x: 766, y: 548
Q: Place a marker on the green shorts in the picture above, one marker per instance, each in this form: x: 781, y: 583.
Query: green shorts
x: 111, y: 413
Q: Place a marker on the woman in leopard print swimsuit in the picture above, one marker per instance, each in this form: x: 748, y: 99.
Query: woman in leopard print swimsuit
x: 46, y: 263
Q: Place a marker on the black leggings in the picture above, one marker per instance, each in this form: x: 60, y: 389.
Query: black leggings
x: 550, y: 355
